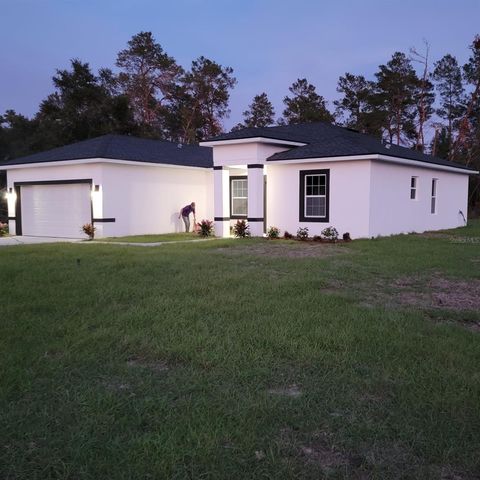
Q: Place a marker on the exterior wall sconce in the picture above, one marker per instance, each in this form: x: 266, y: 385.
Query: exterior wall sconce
x: 11, y: 197
x: 97, y: 201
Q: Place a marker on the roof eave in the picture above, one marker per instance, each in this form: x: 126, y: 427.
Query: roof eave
x: 258, y: 139
x: 90, y: 160
x: 376, y: 156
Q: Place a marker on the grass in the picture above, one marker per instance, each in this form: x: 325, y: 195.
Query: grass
x: 165, y: 237
x: 238, y: 359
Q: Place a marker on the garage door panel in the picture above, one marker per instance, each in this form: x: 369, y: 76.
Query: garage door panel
x: 57, y: 210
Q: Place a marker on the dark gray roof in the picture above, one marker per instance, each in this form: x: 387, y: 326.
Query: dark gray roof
x: 325, y: 140
x: 124, y: 147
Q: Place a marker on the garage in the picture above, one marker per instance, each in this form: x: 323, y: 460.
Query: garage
x: 54, y: 209
x: 122, y: 184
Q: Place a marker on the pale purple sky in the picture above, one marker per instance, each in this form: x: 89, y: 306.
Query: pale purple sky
x: 268, y: 43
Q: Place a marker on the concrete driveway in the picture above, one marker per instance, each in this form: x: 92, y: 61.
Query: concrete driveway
x: 24, y: 240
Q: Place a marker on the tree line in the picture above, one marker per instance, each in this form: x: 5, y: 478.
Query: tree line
x: 430, y: 106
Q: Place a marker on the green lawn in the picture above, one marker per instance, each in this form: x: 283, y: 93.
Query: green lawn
x: 165, y: 237
x: 241, y: 359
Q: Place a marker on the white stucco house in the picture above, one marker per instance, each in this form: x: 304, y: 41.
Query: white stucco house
x: 311, y: 175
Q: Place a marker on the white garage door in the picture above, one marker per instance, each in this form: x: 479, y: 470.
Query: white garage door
x: 57, y: 210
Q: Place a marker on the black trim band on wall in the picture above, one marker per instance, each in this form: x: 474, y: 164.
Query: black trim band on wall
x: 217, y: 167
x: 221, y: 219
x: 12, y: 219
x: 255, y: 219
x: 55, y: 182
x: 103, y: 220
x: 255, y: 165
x: 301, y: 215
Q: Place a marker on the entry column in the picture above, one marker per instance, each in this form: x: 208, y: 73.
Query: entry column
x: 256, y: 199
x: 221, y: 208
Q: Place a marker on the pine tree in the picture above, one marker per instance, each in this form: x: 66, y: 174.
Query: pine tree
x: 395, y: 98
x: 200, y: 101
x: 467, y: 142
x: 355, y: 107
x: 84, y: 105
x: 148, y: 77
x: 449, y: 84
x: 305, y: 105
x: 260, y: 112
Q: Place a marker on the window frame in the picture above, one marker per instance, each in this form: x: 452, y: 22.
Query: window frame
x: 433, y: 196
x: 303, y: 174
x: 232, y: 179
x: 414, y: 187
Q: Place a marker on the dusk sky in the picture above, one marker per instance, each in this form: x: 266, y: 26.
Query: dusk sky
x: 269, y: 44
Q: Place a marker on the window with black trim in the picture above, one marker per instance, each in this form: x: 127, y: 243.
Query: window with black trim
x: 238, y: 197
x: 413, y: 188
x: 433, y: 204
x: 314, y: 195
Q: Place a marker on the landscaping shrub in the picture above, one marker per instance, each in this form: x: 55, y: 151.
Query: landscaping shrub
x: 89, y: 230
x: 330, y: 233
x: 3, y: 229
x: 346, y: 237
x: 302, y: 233
x: 241, y: 229
x: 287, y: 235
x: 205, y: 228
x: 273, y: 232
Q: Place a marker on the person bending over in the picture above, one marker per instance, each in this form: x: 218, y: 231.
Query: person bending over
x: 185, y: 214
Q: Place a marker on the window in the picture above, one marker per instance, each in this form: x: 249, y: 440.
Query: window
x: 238, y: 197
x: 413, y: 188
x: 314, y: 195
x: 433, y: 204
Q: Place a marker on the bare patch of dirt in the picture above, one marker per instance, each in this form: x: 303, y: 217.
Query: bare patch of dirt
x: 116, y: 385
x: 452, y: 238
x: 371, y: 398
x: 390, y: 455
x: 446, y: 236
x: 289, y: 391
x: 434, y: 292
x: 53, y: 354
x: 441, y: 292
x: 284, y: 250
x: 319, y: 450
x: 156, y: 366
x: 469, y: 324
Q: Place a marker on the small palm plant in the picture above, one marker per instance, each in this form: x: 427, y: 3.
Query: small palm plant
x: 89, y: 230
x: 205, y: 228
x: 241, y: 229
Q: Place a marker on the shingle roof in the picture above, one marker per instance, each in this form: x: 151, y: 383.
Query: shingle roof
x: 325, y: 140
x: 124, y: 147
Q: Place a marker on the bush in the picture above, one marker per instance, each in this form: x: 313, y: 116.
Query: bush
x: 302, y: 233
x: 241, y: 229
x: 273, y: 232
x: 205, y: 228
x: 317, y: 238
x: 330, y: 233
x: 89, y: 230
x: 346, y: 237
x: 3, y: 229
x: 287, y: 235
